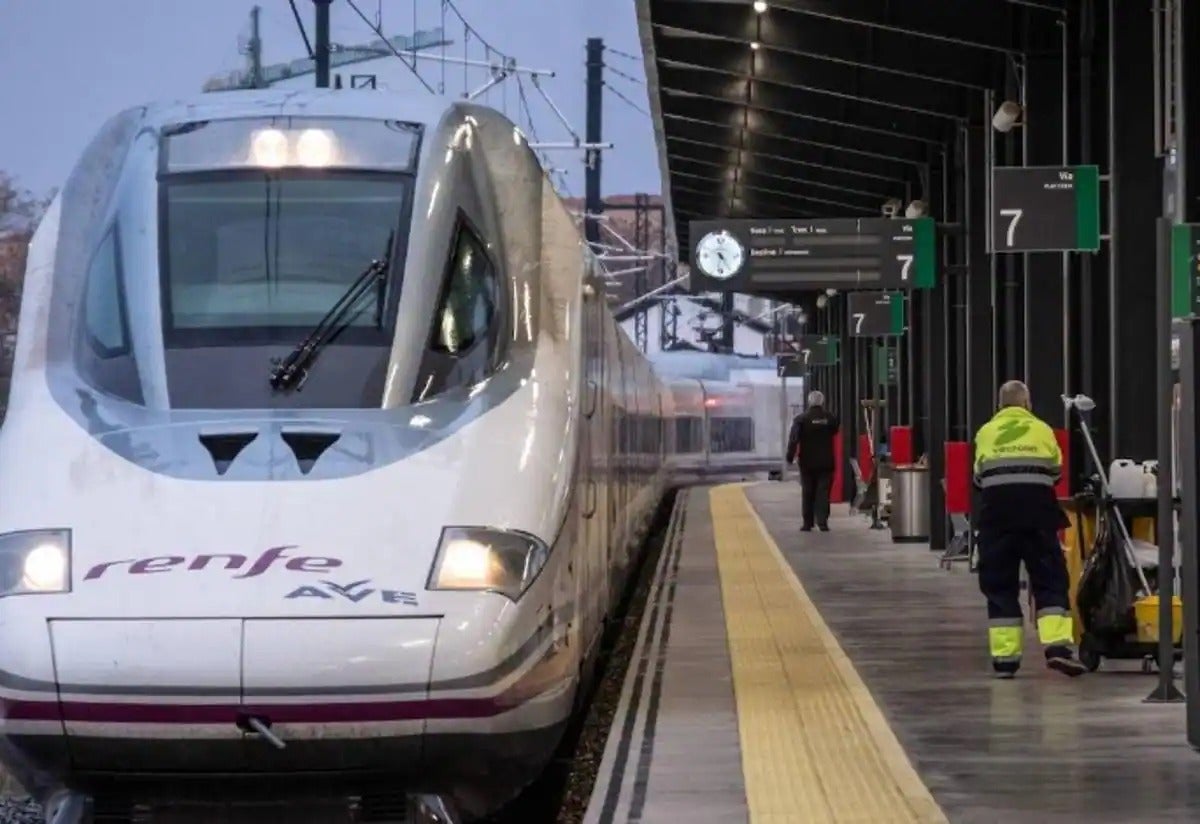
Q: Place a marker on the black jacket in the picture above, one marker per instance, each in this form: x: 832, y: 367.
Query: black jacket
x: 812, y: 437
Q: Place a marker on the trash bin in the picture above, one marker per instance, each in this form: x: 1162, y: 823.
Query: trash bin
x: 910, y: 504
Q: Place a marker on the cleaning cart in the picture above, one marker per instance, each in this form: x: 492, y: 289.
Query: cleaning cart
x: 1117, y: 593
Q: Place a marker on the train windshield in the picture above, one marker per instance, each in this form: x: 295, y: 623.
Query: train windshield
x: 266, y: 257
x: 263, y: 225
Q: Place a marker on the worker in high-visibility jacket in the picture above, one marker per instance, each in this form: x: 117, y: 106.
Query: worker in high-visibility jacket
x: 1017, y: 464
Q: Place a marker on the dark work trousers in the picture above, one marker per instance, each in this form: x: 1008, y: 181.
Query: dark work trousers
x: 815, y: 486
x: 1000, y: 557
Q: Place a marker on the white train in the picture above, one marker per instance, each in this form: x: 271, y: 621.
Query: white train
x: 324, y: 464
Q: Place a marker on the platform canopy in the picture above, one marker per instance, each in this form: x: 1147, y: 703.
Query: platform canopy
x: 819, y: 108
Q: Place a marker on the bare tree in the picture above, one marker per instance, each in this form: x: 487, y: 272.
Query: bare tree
x: 20, y: 213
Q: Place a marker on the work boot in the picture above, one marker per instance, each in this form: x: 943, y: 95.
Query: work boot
x: 1005, y: 669
x: 1062, y: 659
x: 806, y: 528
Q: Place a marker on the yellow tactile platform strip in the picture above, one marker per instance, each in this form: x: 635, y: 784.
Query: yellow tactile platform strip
x: 815, y: 747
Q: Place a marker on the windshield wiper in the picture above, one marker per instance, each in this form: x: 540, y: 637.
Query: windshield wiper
x: 293, y: 370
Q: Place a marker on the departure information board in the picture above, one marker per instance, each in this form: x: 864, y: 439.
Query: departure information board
x: 1046, y: 209
x: 875, y: 314
x: 781, y: 257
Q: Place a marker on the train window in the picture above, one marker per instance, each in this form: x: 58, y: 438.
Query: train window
x: 464, y: 342
x: 732, y: 434
x: 689, y: 434
x: 469, y: 304
x: 104, y: 315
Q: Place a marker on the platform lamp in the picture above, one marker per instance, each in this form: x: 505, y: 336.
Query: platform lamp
x: 1008, y: 116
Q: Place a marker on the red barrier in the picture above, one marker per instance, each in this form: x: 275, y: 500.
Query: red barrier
x: 958, y: 477
x: 900, y: 442
x: 865, y: 463
x: 835, y: 493
x: 1063, y: 489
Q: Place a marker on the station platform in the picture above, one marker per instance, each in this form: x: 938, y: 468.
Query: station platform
x: 782, y: 676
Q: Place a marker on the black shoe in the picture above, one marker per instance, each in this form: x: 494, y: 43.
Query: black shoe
x: 806, y: 529
x: 1062, y: 659
x: 1005, y: 669
x: 824, y: 527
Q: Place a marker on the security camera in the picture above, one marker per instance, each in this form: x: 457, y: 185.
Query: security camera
x: 892, y: 207
x: 916, y: 209
x: 1007, y: 116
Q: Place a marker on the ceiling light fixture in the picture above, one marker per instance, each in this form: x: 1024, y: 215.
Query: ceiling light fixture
x: 760, y: 6
x: 754, y: 45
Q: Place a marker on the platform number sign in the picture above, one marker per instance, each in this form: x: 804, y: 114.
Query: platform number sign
x: 875, y: 314
x: 790, y: 365
x: 1045, y: 209
x: 818, y: 350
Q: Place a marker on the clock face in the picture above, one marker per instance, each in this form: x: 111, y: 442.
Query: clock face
x: 719, y: 255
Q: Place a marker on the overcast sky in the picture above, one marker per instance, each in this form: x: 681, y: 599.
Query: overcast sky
x: 67, y: 65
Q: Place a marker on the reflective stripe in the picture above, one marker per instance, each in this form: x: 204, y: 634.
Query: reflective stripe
x: 1005, y: 642
x: 1009, y: 480
x: 1007, y: 659
x: 1055, y: 630
x: 1025, y: 460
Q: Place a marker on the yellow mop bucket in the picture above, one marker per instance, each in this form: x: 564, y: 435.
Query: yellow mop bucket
x: 1146, y: 612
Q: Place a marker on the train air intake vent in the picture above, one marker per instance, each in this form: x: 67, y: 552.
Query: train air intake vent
x: 309, y: 446
x: 225, y: 447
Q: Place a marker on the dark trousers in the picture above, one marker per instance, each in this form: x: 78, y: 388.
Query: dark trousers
x: 1001, y: 554
x: 815, y: 485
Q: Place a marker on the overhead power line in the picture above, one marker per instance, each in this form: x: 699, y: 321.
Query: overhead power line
x: 627, y: 101
x: 412, y: 66
x: 300, y: 23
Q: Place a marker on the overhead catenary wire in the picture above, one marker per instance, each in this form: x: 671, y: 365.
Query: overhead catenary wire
x: 614, y: 70
x: 625, y: 54
x: 626, y: 100
x: 303, y: 33
x: 412, y: 66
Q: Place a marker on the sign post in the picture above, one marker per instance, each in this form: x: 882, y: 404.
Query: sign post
x: 1045, y: 209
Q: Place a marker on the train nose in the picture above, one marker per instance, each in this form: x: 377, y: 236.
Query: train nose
x: 234, y: 694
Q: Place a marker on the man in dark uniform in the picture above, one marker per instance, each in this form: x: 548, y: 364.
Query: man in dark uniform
x: 810, y: 445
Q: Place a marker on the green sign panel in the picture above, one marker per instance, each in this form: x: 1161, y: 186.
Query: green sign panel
x: 1046, y: 209
x: 887, y: 365
x: 1185, y: 270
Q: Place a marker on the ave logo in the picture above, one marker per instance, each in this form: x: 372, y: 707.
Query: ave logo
x: 356, y: 592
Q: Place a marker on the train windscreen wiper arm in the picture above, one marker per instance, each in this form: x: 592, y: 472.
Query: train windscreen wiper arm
x: 292, y: 371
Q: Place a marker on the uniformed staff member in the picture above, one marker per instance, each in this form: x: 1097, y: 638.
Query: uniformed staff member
x: 810, y: 444
x: 1017, y: 464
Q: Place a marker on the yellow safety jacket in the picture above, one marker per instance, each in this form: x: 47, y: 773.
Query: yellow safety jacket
x: 1017, y: 464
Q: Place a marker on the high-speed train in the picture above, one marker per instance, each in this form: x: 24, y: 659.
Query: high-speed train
x: 325, y: 462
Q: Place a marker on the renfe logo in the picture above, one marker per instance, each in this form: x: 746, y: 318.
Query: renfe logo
x: 167, y: 563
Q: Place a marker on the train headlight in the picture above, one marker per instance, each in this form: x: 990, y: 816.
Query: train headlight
x: 34, y: 561
x: 496, y: 560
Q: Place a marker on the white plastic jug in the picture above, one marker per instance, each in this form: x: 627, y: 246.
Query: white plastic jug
x: 1126, y: 479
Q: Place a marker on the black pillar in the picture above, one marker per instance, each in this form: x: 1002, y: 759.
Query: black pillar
x: 981, y: 385
x: 1045, y: 272
x: 321, y: 43
x: 1136, y: 197
x: 593, y: 202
